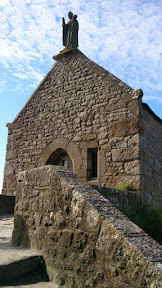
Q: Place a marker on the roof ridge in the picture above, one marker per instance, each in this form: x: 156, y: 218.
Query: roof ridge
x: 105, y: 73
x: 35, y: 91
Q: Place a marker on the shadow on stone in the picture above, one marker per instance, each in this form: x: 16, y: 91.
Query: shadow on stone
x: 7, y: 204
x: 20, y: 232
x: 37, y: 275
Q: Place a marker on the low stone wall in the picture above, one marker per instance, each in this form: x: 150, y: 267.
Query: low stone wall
x: 121, y: 199
x: 85, y: 241
x: 151, y: 157
x: 7, y: 204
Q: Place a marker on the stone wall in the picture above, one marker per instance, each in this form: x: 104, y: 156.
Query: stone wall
x: 85, y: 241
x: 119, y: 198
x: 78, y: 106
x: 151, y: 157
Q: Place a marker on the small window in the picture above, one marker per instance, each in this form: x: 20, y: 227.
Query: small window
x: 92, y: 163
x: 65, y: 163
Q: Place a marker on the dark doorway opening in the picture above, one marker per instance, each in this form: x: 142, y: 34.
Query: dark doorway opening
x: 92, y: 163
x: 60, y: 158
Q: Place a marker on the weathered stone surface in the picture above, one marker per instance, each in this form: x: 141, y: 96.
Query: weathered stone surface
x: 17, y: 264
x: 124, y: 127
x: 125, y: 154
x: 120, y: 199
x: 85, y: 241
x: 75, y: 108
x: 132, y: 180
x: 80, y: 106
x: 151, y: 158
x: 132, y: 168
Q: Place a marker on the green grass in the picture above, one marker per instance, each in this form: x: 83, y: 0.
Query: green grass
x: 149, y: 219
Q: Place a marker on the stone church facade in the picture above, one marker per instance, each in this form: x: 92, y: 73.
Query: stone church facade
x: 86, y: 119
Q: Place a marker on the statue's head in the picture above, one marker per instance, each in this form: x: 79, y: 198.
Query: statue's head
x: 70, y: 15
x: 75, y: 17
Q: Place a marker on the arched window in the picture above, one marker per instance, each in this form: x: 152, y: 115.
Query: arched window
x: 60, y: 158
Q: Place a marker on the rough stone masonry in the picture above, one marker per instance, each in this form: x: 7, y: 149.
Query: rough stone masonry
x: 83, y: 116
x: 85, y: 241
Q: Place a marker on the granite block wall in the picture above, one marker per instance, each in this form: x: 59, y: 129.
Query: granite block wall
x: 119, y: 198
x: 151, y: 157
x: 78, y: 106
x: 85, y: 241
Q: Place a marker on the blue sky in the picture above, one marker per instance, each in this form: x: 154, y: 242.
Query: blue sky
x: 123, y: 36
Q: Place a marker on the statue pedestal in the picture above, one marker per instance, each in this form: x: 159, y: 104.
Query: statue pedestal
x: 64, y: 53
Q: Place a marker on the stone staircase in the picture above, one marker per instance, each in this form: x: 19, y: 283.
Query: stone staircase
x: 19, y: 267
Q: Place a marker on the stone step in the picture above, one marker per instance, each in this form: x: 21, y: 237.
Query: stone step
x: 37, y: 285
x: 21, y: 264
x: 19, y: 267
x: 34, y: 278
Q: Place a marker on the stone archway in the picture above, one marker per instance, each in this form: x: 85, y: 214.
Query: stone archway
x: 60, y: 158
x: 69, y: 148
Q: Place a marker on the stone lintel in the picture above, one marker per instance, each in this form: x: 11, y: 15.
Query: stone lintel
x: 64, y: 53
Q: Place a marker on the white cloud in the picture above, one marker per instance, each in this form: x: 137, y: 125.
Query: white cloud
x: 152, y: 97
x: 123, y: 36
x: 2, y: 85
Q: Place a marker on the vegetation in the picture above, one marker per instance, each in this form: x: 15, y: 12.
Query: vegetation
x: 149, y: 219
x: 125, y: 186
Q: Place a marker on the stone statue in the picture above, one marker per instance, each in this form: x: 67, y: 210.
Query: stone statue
x: 70, y: 31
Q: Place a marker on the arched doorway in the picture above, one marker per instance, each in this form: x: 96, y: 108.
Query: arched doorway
x: 63, y: 145
x: 60, y: 158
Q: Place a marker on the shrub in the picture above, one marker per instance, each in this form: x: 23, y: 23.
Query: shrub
x: 125, y: 186
x: 149, y: 219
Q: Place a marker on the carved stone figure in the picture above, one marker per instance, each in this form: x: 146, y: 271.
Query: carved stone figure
x: 70, y: 31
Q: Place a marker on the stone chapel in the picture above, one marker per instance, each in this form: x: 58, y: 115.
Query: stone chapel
x: 86, y: 119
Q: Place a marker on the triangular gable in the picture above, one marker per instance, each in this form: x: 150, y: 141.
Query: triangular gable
x: 105, y: 75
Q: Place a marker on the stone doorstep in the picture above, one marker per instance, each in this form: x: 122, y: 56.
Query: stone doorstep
x: 16, y: 261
